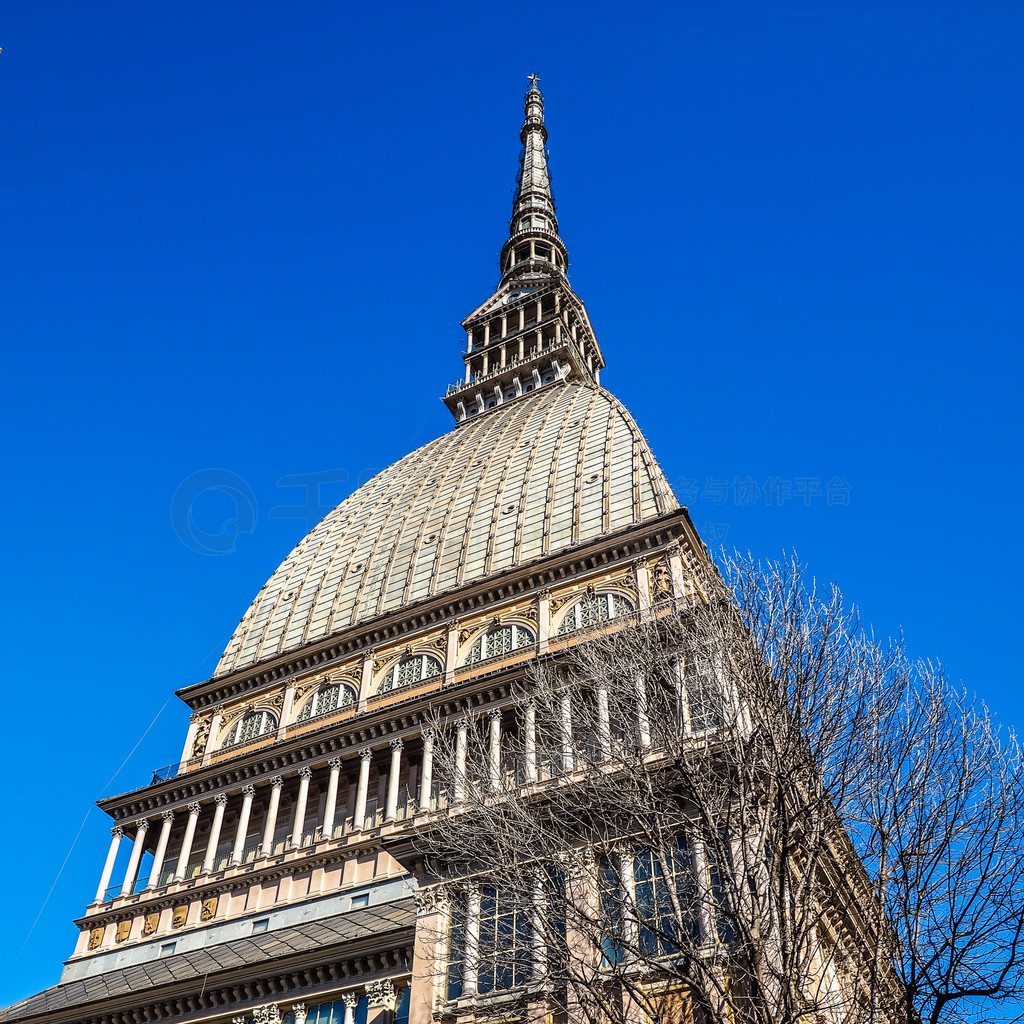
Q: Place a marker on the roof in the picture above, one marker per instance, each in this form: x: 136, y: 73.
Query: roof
x: 558, y: 467
x: 274, y: 945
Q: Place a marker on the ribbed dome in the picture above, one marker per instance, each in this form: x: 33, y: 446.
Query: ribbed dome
x: 561, y: 466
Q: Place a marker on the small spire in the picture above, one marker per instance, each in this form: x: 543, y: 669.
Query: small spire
x: 533, y: 211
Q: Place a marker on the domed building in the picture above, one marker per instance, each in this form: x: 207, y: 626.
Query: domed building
x: 255, y: 877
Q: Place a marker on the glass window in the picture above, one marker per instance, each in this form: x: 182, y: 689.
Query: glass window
x: 592, y: 611
x: 505, y: 959
x: 334, y: 1013
x: 703, y: 696
x: 249, y: 727
x: 327, y: 699
x: 410, y: 670
x: 500, y: 641
x: 657, y: 889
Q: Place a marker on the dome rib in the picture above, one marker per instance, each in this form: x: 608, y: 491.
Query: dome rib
x: 559, y: 467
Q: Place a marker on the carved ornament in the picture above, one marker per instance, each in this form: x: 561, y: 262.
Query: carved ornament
x: 95, y: 937
x: 179, y: 916
x: 150, y: 923
x: 209, y: 909
x: 123, y: 930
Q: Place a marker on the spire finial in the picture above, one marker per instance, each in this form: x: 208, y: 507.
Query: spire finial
x: 534, y: 79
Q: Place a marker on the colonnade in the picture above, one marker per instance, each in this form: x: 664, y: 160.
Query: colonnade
x: 557, y: 753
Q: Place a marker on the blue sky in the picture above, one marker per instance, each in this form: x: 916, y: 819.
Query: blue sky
x: 240, y: 237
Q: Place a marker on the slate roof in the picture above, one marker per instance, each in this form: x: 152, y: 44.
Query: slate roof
x: 276, y: 945
x: 561, y: 466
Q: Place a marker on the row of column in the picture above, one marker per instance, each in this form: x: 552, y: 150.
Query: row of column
x: 567, y: 757
x: 220, y: 801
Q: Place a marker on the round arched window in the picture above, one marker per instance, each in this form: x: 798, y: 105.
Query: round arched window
x: 327, y: 699
x: 592, y: 611
x: 410, y: 670
x: 500, y: 641
x: 249, y: 727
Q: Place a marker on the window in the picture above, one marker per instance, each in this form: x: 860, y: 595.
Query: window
x: 504, y: 959
x: 261, y: 925
x: 659, y: 928
x: 410, y: 670
x: 361, y: 901
x: 249, y: 727
x: 167, y: 948
x: 499, y: 641
x: 334, y: 1013
x: 592, y: 611
x: 327, y: 699
x: 703, y: 696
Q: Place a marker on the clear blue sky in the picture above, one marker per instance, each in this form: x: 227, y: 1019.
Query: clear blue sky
x: 240, y: 236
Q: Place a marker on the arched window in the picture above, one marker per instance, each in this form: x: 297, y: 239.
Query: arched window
x: 592, y: 611
x: 327, y: 699
x: 410, y: 670
x: 500, y: 641
x: 249, y: 727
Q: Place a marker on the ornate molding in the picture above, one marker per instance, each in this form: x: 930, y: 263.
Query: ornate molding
x: 382, y: 993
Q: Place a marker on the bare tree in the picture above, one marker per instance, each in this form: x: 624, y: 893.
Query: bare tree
x: 746, y: 809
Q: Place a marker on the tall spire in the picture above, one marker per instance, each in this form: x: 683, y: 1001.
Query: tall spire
x: 533, y: 211
x: 534, y: 331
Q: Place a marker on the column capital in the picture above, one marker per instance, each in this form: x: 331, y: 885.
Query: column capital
x: 365, y: 754
x: 221, y: 799
x: 494, y: 715
x: 142, y: 825
x: 382, y: 993
x: 350, y: 999
x: 249, y: 791
x: 305, y: 772
x: 194, y: 807
x: 276, y: 781
x: 334, y: 764
x: 427, y: 732
x: 196, y: 716
x: 396, y: 743
x: 117, y: 831
x: 167, y: 816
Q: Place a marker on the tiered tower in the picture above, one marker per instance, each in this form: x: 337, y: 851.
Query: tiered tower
x: 252, y: 879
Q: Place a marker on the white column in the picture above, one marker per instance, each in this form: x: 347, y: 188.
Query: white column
x: 327, y: 829
x: 190, y: 737
x: 220, y: 801
x: 643, y: 721
x: 494, y: 750
x: 705, y: 896
x: 624, y: 856
x: 451, y: 652
x: 565, y: 727
x: 248, y: 792
x: 543, y: 621
x: 286, y: 710
x: 108, y: 865
x: 359, y: 818
x: 186, y: 843
x: 642, y: 575
x: 211, y: 740
x: 470, y: 965
x: 299, y: 1012
x: 299, y: 821
x: 141, y: 827
x: 365, y: 680
x: 391, y: 807
x: 351, y: 1001
x: 604, y: 726
x: 426, y: 770
x: 459, y: 782
x: 530, y: 741
x: 270, y: 825
x: 161, y: 849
